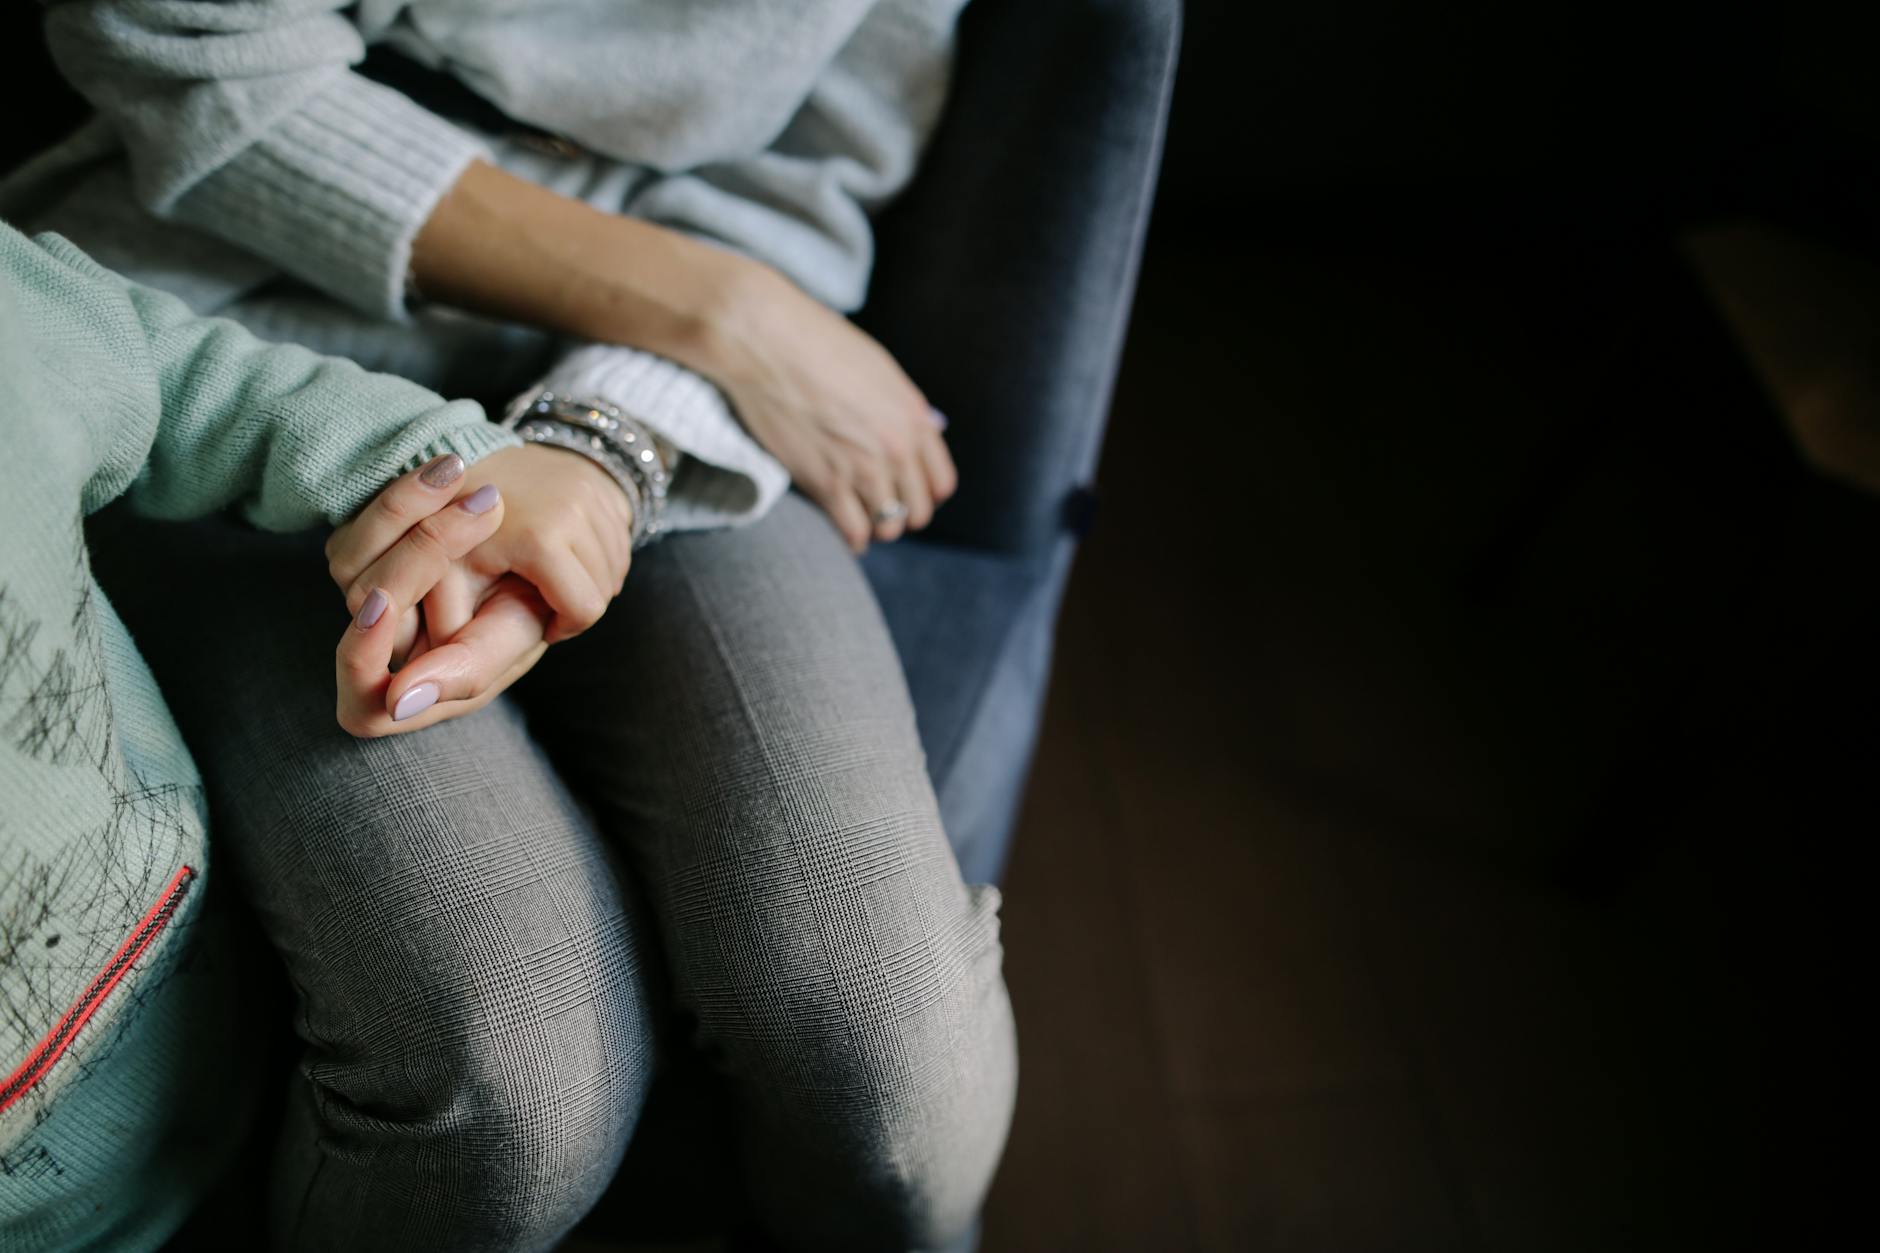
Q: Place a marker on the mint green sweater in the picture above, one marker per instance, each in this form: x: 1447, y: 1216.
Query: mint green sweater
x: 107, y: 390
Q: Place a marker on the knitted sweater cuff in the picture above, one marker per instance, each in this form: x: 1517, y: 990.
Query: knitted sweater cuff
x: 457, y: 427
x: 726, y: 478
x: 335, y: 192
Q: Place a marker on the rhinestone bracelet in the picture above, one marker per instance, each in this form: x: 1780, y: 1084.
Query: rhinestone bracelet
x: 622, y: 445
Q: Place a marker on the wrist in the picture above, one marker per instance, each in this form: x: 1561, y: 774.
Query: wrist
x: 726, y: 333
x: 616, y: 443
x: 684, y: 300
x: 558, y: 458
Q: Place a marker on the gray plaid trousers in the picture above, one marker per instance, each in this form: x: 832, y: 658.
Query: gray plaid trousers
x: 710, y: 810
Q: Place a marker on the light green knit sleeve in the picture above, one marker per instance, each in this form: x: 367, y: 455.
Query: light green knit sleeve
x: 243, y: 119
x: 293, y: 438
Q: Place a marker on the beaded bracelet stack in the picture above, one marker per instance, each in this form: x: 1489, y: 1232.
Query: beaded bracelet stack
x: 621, y: 445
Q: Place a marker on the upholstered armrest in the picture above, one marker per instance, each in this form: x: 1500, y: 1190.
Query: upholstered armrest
x: 1006, y: 271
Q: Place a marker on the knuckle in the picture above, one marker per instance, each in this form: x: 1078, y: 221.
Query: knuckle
x: 430, y: 536
x: 392, y: 507
x: 897, y: 443
x: 869, y: 481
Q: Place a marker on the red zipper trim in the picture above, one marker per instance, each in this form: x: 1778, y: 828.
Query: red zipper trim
x: 57, y: 1040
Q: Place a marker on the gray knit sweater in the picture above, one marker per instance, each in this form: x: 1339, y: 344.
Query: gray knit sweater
x: 234, y: 147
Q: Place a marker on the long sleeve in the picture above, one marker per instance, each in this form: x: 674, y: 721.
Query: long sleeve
x: 774, y: 129
x: 726, y: 477
x: 296, y: 438
x: 802, y: 201
x: 198, y: 415
x: 243, y: 119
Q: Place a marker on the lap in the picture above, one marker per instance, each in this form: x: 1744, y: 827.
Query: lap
x: 741, y: 722
x: 738, y: 732
x: 473, y: 975
x: 408, y: 883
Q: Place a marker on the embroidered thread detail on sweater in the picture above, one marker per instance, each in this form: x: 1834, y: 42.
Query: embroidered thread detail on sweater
x: 53, y: 1046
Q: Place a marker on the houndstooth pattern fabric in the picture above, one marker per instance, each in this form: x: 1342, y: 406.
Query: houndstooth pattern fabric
x: 711, y: 809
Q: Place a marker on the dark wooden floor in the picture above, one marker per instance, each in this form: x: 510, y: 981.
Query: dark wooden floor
x: 1320, y: 927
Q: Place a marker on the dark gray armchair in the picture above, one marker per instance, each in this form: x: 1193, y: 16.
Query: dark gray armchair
x: 1003, y: 285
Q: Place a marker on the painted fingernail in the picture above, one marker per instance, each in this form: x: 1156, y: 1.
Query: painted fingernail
x: 482, y: 500
x: 415, y: 702
x: 939, y: 419
x: 372, y: 610
x: 442, y: 472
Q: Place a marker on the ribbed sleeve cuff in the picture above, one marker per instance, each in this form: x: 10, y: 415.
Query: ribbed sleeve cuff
x: 727, y: 478
x: 336, y: 191
x: 457, y: 427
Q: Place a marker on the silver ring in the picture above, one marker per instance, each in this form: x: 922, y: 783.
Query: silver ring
x: 893, y: 511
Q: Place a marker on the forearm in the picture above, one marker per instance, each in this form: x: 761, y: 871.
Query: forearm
x: 501, y: 245
x: 828, y: 403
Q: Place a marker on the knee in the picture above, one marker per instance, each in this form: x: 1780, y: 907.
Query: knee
x: 511, y: 1091
x: 914, y: 1064
x: 549, y: 1107
x: 939, y: 1143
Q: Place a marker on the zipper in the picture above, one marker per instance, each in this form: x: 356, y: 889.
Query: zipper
x: 57, y: 1040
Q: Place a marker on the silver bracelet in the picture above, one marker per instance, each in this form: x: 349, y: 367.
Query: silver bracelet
x: 620, y: 444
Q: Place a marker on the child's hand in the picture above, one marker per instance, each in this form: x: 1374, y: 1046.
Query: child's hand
x: 567, y: 529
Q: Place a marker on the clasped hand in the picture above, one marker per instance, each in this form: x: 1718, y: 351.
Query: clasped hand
x: 459, y: 581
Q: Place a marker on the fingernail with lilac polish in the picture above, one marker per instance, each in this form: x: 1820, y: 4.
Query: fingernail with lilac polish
x: 415, y: 702
x: 939, y: 419
x: 372, y: 610
x: 442, y: 472
x: 482, y: 500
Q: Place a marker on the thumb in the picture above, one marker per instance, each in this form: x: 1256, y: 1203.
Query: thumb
x: 493, y: 650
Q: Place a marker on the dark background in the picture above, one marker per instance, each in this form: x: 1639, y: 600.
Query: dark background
x: 1447, y: 826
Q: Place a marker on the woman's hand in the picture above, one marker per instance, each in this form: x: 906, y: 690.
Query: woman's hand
x: 831, y: 404
x: 828, y: 401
